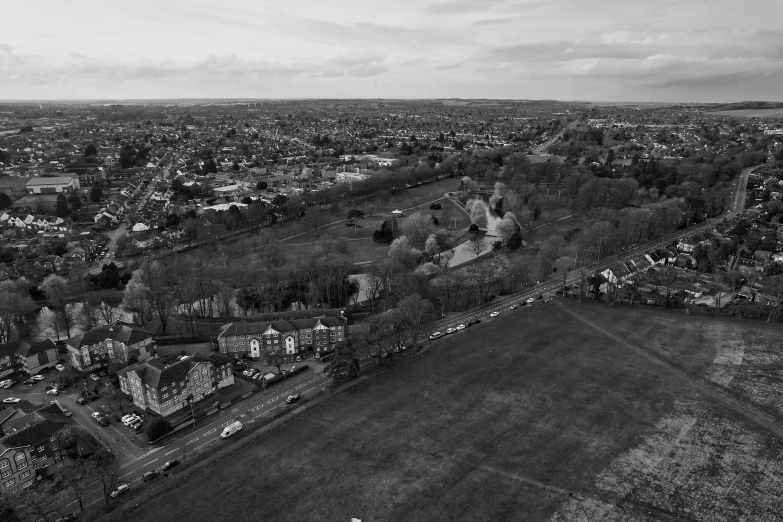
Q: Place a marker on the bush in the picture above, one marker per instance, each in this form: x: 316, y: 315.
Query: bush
x: 158, y: 428
x: 435, y: 206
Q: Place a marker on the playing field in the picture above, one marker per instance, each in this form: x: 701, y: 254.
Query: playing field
x: 551, y: 412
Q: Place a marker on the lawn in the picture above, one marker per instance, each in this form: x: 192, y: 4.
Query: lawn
x: 557, y: 412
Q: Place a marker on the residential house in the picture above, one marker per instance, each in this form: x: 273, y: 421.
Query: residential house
x: 15, y: 466
x: 293, y: 337
x: 164, y: 385
x: 28, y: 355
x: 38, y: 431
x: 120, y: 342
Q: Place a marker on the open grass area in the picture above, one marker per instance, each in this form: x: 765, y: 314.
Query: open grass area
x: 551, y: 412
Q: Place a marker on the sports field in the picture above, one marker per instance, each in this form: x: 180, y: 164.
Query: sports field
x: 552, y: 412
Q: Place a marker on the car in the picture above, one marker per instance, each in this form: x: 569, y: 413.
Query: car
x: 59, y: 367
x: 121, y: 490
x: 450, y: 330
x: 298, y: 358
x: 150, y: 475
x: 169, y: 464
x: 100, y: 418
x: 53, y: 391
x: 37, y: 378
x: 4, y: 382
x: 130, y: 419
x: 292, y: 368
x: 461, y: 326
x: 9, y: 383
x: 12, y: 400
x: 292, y: 398
x: 474, y: 321
x: 102, y: 373
x: 81, y: 400
x: 513, y: 307
x: 95, y: 377
x: 436, y: 335
x: 70, y: 517
x: 67, y: 413
x: 494, y: 314
x: 30, y: 382
x: 529, y: 300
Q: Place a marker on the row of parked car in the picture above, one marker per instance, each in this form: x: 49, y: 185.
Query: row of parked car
x: 437, y: 335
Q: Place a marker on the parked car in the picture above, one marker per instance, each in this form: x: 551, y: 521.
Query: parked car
x: 100, y: 418
x: 70, y: 517
x: 101, y: 373
x: 494, y: 314
x: 53, y: 391
x: 435, y: 335
x: 169, y: 464
x: 130, y: 418
x: 150, y: 475
x: 95, y: 377
x: 67, y: 413
x: 298, y: 358
x: 292, y: 398
x: 513, y: 306
x: 30, y: 382
x: 529, y: 300
x: 12, y: 400
x: 460, y: 327
x: 9, y: 383
x: 450, y: 330
x: 474, y: 321
x: 81, y: 400
x: 59, y: 367
x: 37, y: 378
x: 121, y: 490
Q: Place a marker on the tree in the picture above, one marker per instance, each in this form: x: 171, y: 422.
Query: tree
x: 414, y: 313
x: 210, y: 167
x: 562, y: 266
x: 354, y: 215
x: 115, y: 398
x: 90, y: 150
x: 74, y: 201
x: 157, y: 428
x: 96, y: 192
x: 261, y: 185
x: 478, y: 213
x: 107, y: 468
x: 134, y: 299
x: 56, y: 290
x: 477, y: 245
x: 61, y: 208
x: 5, y: 201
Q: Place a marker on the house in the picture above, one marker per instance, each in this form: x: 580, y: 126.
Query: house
x: 38, y: 431
x: 52, y: 185
x: 15, y: 466
x: 120, y: 342
x: 292, y: 337
x: 28, y: 355
x: 229, y: 190
x: 164, y: 385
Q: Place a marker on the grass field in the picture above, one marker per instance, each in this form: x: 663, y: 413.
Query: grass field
x: 752, y: 113
x: 557, y: 412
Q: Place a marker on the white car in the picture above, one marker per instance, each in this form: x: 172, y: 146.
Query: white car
x: 494, y: 314
x: 4, y: 382
x: 450, y: 330
x: 529, y: 300
x: 513, y: 306
x: 37, y: 377
x: 12, y: 400
x: 60, y: 367
x: 435, y: 335
x: 123, y: 488
x: 95, y: 377
x: 460, y: 327
x: 131, y: 418
x: 53, y: 391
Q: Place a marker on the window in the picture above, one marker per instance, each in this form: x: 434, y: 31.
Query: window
x: 4, y: 463
x: 24, y: 475
x: 7, y: 473
x: 41, y: 448
x: 9, y: 483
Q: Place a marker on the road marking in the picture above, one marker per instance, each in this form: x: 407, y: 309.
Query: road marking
x: 191, y: 441
x: 170, y: 452
x: 148, y: 463
x: 210, y: 432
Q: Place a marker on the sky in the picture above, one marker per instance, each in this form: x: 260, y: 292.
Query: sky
x: 600, y: 50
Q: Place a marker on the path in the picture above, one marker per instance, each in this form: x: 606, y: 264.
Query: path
x: 750, y: 414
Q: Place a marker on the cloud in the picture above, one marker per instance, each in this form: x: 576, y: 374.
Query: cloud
x: 447, y: 67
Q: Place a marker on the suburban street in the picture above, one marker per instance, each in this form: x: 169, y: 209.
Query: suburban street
x: 137, y: 461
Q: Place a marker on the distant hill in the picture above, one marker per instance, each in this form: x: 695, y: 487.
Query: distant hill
x: 744, y: 105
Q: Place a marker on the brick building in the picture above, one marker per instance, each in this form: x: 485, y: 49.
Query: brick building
x: 163, y: 385
x: 27, y: 355
x: 293, y: 337
x: 121, y: 342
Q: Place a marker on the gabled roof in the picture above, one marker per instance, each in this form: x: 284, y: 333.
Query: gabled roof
x: 27, y: 347
x: 125, y: 333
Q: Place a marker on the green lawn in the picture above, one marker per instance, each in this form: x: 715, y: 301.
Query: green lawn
x: 506, y: 423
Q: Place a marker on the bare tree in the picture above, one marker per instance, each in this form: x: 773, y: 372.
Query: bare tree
x: 477, y: 245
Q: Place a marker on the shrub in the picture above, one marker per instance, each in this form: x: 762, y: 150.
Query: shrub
x: 158, y: 428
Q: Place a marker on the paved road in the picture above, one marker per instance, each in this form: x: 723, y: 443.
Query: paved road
x: 247, y: 411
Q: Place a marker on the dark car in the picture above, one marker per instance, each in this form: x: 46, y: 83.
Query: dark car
x: 474, y: 321
x: 30, y: 382
x: 169, y: 464
x: 81, y: 400
x: 70, y: 517
x: 150, y: 475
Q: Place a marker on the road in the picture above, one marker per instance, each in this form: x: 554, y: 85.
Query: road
x: 247, y: 411
x: 738, y: 198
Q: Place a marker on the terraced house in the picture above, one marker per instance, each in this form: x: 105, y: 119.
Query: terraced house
x: 122, y: 342
x: 293, y: 337
x: 163, y: 385
x: 27, y: 355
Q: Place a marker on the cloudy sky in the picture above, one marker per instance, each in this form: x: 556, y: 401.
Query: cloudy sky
x: 662, y: 50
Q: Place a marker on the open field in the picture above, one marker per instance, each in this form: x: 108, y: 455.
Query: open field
x: 753, y: 113
x: 552, y: 412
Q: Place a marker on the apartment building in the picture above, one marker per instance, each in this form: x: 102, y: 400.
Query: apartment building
x: 120, y: 341
x: 293, y: 337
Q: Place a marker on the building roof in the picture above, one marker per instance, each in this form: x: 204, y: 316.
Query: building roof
x: 56, y: 180
x: 125, y: 333
x: 281, y: 325
x: 157, y: 373
x: 27, y: 347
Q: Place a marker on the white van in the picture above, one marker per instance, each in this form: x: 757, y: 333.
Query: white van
x: 231, y: 429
